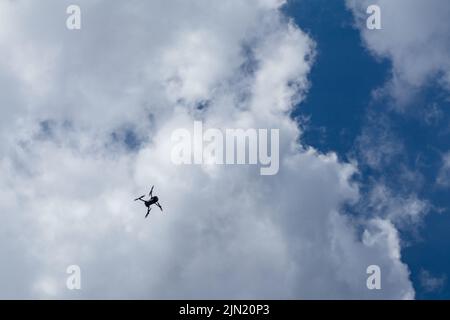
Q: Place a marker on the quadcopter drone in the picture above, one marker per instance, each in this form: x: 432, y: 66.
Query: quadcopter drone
x: 153, y: 200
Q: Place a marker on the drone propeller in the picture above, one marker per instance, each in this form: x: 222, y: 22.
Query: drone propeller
x: 139, y: 198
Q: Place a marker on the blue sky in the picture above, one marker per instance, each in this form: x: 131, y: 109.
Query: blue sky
x: 339, y: 106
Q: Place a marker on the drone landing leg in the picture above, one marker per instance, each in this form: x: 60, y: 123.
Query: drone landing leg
x: 148, y: 211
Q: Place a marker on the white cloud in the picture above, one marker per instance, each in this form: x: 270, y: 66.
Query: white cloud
x: 431, y: 283
x: 443, y: 178
x: 414, y: 36
x: 226, y: 232
x: 377, y: 144
x: 405, y: 211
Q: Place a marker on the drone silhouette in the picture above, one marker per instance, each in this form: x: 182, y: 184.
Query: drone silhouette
x: 153, y: 200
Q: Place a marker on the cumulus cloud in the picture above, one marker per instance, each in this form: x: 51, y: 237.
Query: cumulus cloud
x: 73, y: 100
x: 414, y: 36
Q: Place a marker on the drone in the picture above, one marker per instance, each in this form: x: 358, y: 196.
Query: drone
x: 153, y: 200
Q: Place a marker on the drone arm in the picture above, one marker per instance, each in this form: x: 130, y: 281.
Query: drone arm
x: 151, y: 191
x: 148, y: 211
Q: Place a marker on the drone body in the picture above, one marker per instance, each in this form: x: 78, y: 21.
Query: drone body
x: 148, y: 203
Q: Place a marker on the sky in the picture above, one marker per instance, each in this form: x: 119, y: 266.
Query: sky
x: 87, y: 119
x: 347, y: 72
